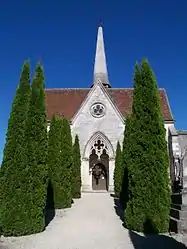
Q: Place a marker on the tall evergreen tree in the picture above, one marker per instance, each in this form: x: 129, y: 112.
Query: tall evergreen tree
x: 66, y: 159
x: 118, y: 171
x: 36, y: 152
x: 13, y: 208
x: 76, y: 170
x: 149, y: 203
x: 54, y: 163
x: 125, y: 161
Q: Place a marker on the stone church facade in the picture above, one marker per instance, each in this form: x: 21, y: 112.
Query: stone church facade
x: 97, y: 114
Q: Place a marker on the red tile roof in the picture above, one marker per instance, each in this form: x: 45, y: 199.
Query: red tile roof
x: 67, y: 101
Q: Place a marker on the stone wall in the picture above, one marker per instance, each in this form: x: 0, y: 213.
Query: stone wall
x: 182, y: 135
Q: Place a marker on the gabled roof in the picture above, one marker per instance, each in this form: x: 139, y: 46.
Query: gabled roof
x: 66, y: 101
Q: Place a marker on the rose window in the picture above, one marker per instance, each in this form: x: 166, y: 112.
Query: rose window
x: 97, y: 110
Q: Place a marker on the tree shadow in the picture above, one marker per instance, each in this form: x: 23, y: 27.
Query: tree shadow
x: 149, y: 227
x: 121, y: 203
x: 118, y: 208
x: 154, y: 241
x: 151, y: 239
x: 124, y: 195
x: 50, y: 207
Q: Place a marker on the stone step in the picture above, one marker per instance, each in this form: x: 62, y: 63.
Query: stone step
x: 178, y: 226
x: 96, y: 191
x: 176, y: 206
x: 178, y: 214
x: 176, y: 198
x: 179, y: 207
x: 174, y: 225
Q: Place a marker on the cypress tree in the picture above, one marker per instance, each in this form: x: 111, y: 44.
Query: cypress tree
x: 13, y: 208
x: 125, y: 161
x: 66, y: 160
x: 118, y: 171
x: 36, y: 152
x: 76, y: 170
x: 54, y: 164
x: 149, y: 203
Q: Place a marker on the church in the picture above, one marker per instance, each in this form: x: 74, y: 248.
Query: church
x: 97, y: 114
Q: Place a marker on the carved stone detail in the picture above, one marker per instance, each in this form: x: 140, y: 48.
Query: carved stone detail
x: 98, y: 110
x: 99, y: 147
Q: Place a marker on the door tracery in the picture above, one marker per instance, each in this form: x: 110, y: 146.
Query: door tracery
x: 99, y: 146
x: 99, y: 165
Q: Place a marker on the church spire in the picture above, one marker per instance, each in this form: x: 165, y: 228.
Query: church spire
x: 100, y: 67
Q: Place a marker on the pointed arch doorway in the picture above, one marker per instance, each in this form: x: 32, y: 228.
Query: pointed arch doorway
x: 99, y: 168
x: 98, y: 164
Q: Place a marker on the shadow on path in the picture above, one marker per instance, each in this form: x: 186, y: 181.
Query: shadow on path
x: 148, y: 240
x: 154, y: 242
x: 50, y: 208
x: 118, y: 208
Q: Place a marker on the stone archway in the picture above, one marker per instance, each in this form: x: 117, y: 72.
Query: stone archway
x: 98, y: 155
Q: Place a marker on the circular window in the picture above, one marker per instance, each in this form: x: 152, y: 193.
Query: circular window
x: 97, y: 110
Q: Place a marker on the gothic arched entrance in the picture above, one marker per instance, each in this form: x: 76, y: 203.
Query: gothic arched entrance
x: 99, y: 167
x: 98, y: 158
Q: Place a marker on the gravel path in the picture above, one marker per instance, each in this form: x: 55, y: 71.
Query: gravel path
x: 91, y: 223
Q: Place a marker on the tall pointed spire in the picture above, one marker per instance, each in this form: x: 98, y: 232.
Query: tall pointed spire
x: 100, y: 67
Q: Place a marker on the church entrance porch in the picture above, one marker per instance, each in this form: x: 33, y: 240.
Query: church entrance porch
x: 98, y: 164
x: 99, y: 169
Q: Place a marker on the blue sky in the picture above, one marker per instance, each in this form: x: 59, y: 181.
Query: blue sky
x: 62, y: 34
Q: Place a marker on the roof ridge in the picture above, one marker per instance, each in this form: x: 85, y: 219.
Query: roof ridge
x: 121, y: 97
x: 62, y: 89
x: 165, y: 92
x: 119, y: 88
x: 108, y: 89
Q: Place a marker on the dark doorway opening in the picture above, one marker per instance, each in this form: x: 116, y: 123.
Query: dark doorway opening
x: 99, y: 167
x: 99, y: 177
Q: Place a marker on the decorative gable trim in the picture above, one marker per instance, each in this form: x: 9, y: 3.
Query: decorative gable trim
x: 83, y: 104
x: 98, y: 84
x: 111, y: 102
x: 58, y: 101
